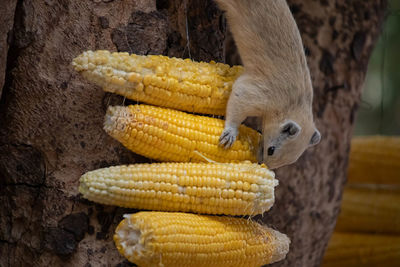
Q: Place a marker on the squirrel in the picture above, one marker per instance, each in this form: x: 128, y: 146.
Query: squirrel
x: 275, y: 85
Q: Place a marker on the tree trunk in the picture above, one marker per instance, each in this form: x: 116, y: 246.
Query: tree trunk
x: 51, y: 118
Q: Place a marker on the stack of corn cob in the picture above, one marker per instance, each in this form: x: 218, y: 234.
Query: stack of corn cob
x: 201, y: 177
x: 368, y: 228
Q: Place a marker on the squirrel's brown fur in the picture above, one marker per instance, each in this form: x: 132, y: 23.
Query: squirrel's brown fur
x: 276, y: 83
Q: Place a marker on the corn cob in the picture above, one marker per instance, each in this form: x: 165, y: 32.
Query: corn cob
x: 375, y: 159
x: 158, y: 80
x: 170, y: 135
x: 369, y: 210
x: 367, y: 250
x: 183, y: 239
x: 228, y: 188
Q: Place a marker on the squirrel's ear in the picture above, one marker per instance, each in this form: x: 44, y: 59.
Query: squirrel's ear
x: 315, y: 138
x: 290, y: 129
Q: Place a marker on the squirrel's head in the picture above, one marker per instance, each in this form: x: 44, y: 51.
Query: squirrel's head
x: 284, y: 141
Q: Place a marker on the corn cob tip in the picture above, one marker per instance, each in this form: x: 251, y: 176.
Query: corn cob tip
x: 87, y: 60
x: 80, y: 63
x: 114, y: 120
x: 282, y: 243
x: 83, y: 189
x: 109, y: 119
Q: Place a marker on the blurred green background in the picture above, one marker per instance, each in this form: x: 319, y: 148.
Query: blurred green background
x: 379, y: 112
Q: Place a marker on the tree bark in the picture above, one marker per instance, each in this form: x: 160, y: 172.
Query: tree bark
x: 51, y: 118
x: 7, y: 21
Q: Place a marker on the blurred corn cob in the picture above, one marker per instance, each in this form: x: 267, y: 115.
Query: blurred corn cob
x: 162, y: 81
x: 375, y: 159
x: 370, y: 205
x: 170, y: 135
x: 366, y: 250
x: 369, y: 210
x: 183, y: 239
x: 230, y: 188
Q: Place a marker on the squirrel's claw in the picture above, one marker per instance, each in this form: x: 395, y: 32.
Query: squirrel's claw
x: 228, y: 137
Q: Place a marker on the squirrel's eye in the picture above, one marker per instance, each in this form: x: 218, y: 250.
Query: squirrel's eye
x: 271, y: 150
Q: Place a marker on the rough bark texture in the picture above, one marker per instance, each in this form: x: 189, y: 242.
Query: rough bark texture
x: 51, y: 119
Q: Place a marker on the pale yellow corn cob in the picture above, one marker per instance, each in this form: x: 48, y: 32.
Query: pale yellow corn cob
x: 362, y: 250
x: 183, y: 240
x: 370, y: 210
x: 375, y: 159
x: 209, y: 188
x: 162, y: 81
x: 170, y: 135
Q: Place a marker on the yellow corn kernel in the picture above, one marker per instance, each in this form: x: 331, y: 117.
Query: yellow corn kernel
x: 166, y: 186
x: 162, y: 81
x: 184, y: 239
x: 373, y: 210
x: 170, y: 135
x: 367, y: 250
x: 375, y: 159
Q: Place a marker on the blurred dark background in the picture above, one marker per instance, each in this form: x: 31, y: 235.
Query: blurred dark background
x: 379, y: 112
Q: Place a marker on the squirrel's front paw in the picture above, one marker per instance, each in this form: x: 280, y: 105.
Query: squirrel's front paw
x: 228, y: 136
